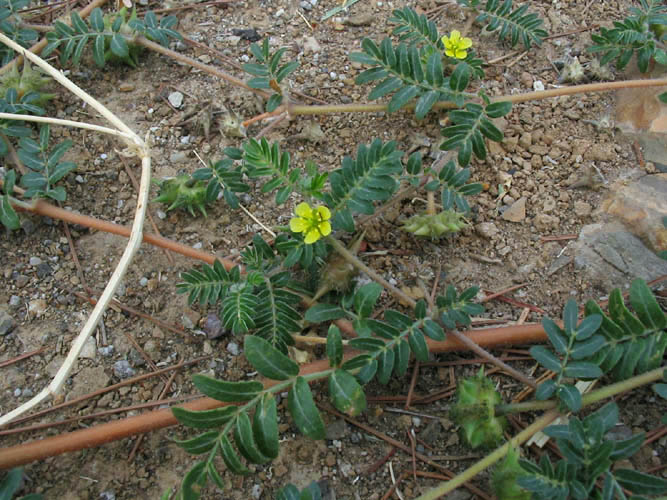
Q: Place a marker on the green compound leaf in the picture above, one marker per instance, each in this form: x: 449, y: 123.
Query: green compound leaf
x: 194, y: 481
x: 640, y: 483
x: 245, y: 441
x: 231, y: 459
x: 544, y: 357
x: 267, y: 360
x: 8, y: 216
x: 320, y: 313
x: 418, y: 345
x: 265, y: 426
x: 346, y: 393
x: 385, y: 365
x: 303, y: 410
x: 229, y: 392
x: 204, y: 419
x: 365, y: 298
x: 334, y: 346
x: 214, y: 475
x: 425, y: 103
x: 570, y: 397
x: 646, y: 306
x: 200, y: 444
x: 582, y: 369
x: 401, y: 357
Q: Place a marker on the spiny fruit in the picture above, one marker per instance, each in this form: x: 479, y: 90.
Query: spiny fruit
x: 28, y: 80
x: 435, y: 225
x: 474, y: 412
x: 504, y: 478
x: 183, y: 192
x: 338, y: 272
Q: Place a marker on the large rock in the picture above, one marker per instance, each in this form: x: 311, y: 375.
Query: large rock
x: 641, y: 206
x: 612, y: 257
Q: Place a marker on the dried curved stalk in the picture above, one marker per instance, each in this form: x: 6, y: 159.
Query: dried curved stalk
x: 136, y: 146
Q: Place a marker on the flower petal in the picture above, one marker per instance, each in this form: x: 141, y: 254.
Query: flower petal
x: 445, y: 40
x: 298, y: 225
x: 455, y: 36
x: 449, y: 52
x: 461, y: 54
x: 311, y: 236
x: 325, y: 228
x: 304, y: 210
x: 466, y: 43
x: 323, y: 213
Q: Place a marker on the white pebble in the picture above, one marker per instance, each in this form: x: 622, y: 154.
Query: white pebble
x: 104, y: 156
x: 176, y: 99
x: 79, y: 179
x: 143, y: 281
x: 17, y: 392
x: 161, y: 215
x: 35, y: 261
x: 538, y: 86
x: 279, y: 12
x: 333, y: 75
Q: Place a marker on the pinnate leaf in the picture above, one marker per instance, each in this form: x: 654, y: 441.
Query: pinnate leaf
x: 303, y: 410
x: 267, y: 360
x: 346, y: 393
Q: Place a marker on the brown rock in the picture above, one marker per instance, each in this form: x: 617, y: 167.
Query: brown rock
x: 641, y: 207
x: 517, y: 212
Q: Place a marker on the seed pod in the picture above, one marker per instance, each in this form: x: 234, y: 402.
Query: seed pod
x: 435, y: 225
x: 474, y: 412
x: 338, y: 272
x: 505, y: 475
x: 183, y: 192
x: 28, y: 80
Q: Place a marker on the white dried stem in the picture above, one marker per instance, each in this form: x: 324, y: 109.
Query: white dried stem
x: 65, y: 123
x: 139, y: 147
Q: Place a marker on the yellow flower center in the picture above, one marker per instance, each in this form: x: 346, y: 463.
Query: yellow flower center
x: 455, y: 46
x: 312, y: 222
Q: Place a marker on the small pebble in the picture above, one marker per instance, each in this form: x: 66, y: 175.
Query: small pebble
x: 14, y: 301
x: 161, y: 215
x: 79, y: 179
x: 104, y: 156
x: 122, y: 369
x: 279, y: 12
x: 176, y: 99
x: 233, y: 348
x: 17, y: 392
x: 538, y: 85
x: 305, y: 5
x: 143, y: 281
x: 27, y: 393
x: 106, y: 351
x: 35, y: 261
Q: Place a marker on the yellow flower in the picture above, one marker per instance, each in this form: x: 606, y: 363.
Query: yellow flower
x: 455, y: 46
x: 312, y: 222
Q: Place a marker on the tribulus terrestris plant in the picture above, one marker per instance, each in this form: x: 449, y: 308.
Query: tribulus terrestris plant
x: 275, y: 293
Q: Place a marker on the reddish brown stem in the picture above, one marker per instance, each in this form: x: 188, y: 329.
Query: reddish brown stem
x: 24, y: 453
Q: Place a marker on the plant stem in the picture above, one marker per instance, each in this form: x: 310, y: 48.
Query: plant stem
x: 539, y: 424
x: 300, y: 109
x: 470, y: 344
x: 156, y: 47
x: 587, y: 399
x: 356, y: 262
